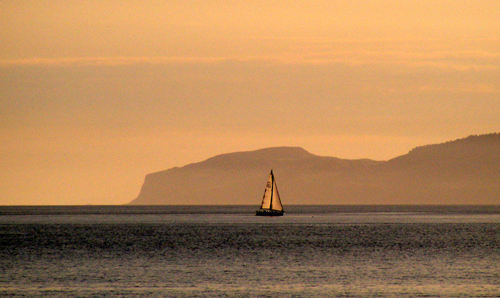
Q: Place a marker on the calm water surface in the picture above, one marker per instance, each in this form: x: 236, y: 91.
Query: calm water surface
x: 225, y: 251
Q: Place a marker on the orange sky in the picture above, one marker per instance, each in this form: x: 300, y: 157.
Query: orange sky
x: 96, y: 94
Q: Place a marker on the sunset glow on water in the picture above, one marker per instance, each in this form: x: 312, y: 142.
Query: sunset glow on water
x: 208, y: 252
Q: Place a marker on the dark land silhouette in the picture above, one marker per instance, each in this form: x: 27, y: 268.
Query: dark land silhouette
x: 464, y: 171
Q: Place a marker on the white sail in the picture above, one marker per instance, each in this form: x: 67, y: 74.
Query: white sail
x: 271, y: 199
x: 268, y: 192
x: 276, y: 202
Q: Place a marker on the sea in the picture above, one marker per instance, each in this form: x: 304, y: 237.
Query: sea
x: 227, y: 251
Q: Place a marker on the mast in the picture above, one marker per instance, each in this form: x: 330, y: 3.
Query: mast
x: 272, y: 191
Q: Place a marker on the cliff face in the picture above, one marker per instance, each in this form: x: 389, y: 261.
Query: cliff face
x: 465, y: 171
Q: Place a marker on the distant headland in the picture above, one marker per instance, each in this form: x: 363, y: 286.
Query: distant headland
x: 464, y: 171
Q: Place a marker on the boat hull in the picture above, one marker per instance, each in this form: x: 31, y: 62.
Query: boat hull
x: 268, y: 212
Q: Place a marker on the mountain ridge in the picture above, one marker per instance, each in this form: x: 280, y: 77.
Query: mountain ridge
x: 455, y: 172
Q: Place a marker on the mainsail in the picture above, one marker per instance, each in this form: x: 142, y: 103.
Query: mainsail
x: 271, y: 201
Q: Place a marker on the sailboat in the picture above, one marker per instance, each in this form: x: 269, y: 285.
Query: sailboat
x: 271, y: 203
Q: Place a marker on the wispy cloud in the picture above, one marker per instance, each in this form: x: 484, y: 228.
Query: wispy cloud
x: 401, y: 53
x: 106, y: 61
x: 462, y: 55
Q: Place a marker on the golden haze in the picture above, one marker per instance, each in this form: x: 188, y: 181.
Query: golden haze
x: 96, y: 94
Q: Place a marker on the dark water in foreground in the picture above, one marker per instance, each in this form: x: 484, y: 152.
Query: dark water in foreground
x: 225, y: 251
